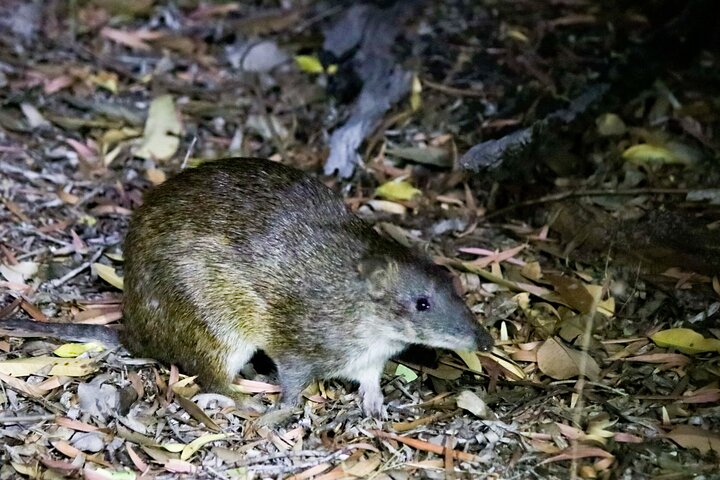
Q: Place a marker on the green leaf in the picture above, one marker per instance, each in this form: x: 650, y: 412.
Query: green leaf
x: 408, y: 374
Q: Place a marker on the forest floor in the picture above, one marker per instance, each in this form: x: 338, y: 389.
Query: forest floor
x: 591, y: 249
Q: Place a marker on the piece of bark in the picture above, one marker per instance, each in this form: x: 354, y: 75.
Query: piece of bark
x: 368, y: 33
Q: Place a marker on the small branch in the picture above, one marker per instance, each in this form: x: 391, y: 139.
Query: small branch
x: 72, y: 273
x: 26, y: 418
x: 426, y: 446
x: 556, y: 197
x: 452, y: 90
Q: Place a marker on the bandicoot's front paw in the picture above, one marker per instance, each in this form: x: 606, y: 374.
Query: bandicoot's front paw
x: 372, y: 403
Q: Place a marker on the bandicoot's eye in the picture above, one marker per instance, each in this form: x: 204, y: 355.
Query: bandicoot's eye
x: 422, y: 304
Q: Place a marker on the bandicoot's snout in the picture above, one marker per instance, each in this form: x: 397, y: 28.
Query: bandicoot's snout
x: 483, y: 340
x: 474, y: 336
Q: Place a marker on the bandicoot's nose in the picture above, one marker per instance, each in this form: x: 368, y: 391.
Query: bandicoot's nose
x: 484, y: 340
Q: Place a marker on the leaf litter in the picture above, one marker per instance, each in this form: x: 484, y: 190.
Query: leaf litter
x: 606, y: 360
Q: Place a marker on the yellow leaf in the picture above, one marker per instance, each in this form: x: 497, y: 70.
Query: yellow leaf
x: 30, y: 470
x: 646, y: 153
x: 610, y: 124
x: 114, y: 256
x: 198, y: 443
x: 397, y: 190
x: 162, y: 130
x: 471, y: 360
x: 686, y: 340
x: 108, y: 274
x: 598, y: 430
x: 173, y: 447
x: 116, y: 135
x: 88, y: 220
x: 416, y: 94
x: 22, y: 367
x: 516, y: 34
x: 70, y: 367
x: 106, y: 80
x: 72, y: 350
x: 309, y: 64
x: 73, y: 367
x: 607, y: 307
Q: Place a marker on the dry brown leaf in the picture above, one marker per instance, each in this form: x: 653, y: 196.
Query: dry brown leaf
x: 624, y: 437
x: 253, y: 386
x: 199, y: 442
x: 136, y: 39
x: 364, y: 467
x: 75, y: 424
x: 197, y: 413
x: 175, y: 465
x: 469, y: 401
x: 21, y: 386
x: 574, y: 453
x: 708, y: 395
x: 572, y: 291
x: 669, y: 359
x: 311, y: 472
x: 561, y: 362
x: 155, y: 176
x: 135, y: 458
x: 689, y: 436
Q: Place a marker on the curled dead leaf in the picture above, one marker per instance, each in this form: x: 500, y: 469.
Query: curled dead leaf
x: 690, y: 436
x: 561, y: 362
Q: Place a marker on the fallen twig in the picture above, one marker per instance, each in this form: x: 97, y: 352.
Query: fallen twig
x: 425, y: 446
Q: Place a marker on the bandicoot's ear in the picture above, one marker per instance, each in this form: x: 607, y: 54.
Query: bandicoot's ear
x: 379, y: 273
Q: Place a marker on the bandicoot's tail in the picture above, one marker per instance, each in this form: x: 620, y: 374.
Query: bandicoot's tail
x: 73, y: 332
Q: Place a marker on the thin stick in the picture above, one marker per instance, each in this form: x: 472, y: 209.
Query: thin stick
x: 72, y: 273
x: 27, y: 418
x: 425, y: 446
x: 556, y: 197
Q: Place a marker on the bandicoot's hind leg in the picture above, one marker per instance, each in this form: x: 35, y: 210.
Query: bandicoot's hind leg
x: 217, y: 367
x: 197, y: 352
x: 294, y: 375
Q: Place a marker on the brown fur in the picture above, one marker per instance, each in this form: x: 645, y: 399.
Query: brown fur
x: 249, y: 253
